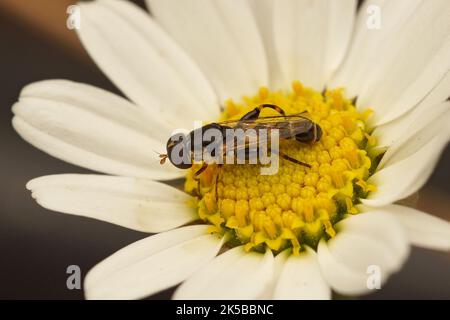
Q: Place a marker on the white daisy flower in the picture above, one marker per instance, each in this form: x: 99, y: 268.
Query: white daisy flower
x: 298, y: 234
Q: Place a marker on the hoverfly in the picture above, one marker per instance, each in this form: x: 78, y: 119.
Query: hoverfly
x: 297, y: 127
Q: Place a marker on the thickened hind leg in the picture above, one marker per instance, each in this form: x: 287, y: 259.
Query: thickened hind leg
x: 203, y: 168
x: 254, y: 114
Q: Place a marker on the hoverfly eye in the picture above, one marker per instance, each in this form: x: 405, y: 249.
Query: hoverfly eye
x: 178, y: 151
x: 170, y: 144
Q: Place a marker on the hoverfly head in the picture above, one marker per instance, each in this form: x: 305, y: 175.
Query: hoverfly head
x: 178, y: 152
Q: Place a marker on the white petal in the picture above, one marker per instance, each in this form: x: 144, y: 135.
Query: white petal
x: 91, y: 128
x: 134, y: 203
x: 301, y: 279
x: 235, y: 274
x: 403, y: 178
x: 222, y: 37
x: 422, y: 229
x: 377, y: 224
x: 421, y: 116
x: 311, y: 38
x: 346, y: 260
x: 340, y: 277
x: 423, y: 128
x: 278, y: 264
x: 145, y: 63
x: 363, y: 50
x: 263, y: 12
x: 394, y: 68
x: 440, y: 92
x: 152, y: 264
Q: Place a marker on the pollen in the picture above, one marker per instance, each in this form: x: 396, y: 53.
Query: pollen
x: 298, y: 205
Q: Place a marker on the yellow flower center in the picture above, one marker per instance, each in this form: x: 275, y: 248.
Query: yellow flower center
x: 298, y: 205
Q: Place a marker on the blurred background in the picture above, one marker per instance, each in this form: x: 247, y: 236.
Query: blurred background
x: 37, y: 246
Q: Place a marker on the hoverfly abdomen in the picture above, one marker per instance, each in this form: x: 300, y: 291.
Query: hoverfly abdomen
x: 311, y: 135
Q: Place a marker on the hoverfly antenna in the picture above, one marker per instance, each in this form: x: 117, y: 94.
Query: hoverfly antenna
x: 162, y: 157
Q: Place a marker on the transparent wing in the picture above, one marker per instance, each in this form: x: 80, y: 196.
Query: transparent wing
x: 287, y: 126
x: 263, y: 120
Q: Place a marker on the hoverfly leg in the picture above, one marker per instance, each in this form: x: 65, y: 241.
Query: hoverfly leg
x: 274, y: 107
x: 216, y: 183
x: 286, y: 157
x: 196, y: 178
x: 254, y: 114
x: 203, y: 168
